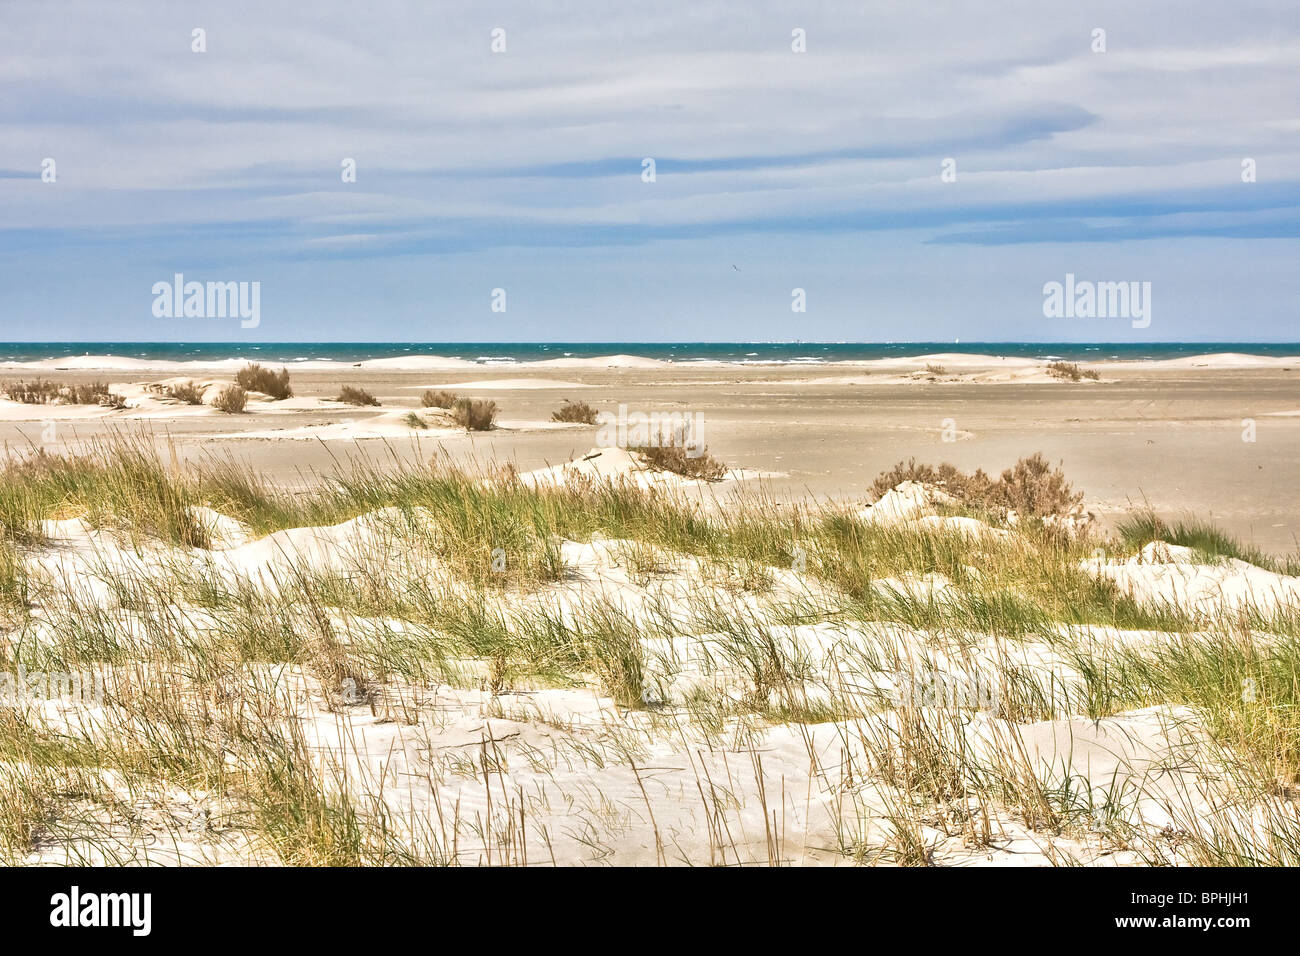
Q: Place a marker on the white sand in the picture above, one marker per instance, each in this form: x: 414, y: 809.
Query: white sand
x: 617, y: 464
x: 588, y: 775
x: 1165, y: 574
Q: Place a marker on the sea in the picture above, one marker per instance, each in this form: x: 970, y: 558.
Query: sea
x: 511, y: 353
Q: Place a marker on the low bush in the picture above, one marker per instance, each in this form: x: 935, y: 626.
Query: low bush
x: 677, y: 459
x: 475, y: 414
x: 257, y: 378
x: 231, y: 399
x: 353, y: 395
x: 1030, y: 487
x: 186, y: 392
x: 579, y: 412
x: 440, y: 399
x: 1070, y: 371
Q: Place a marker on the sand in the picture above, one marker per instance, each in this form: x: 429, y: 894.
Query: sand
x: 1168, y: 433
x: 600, y: 784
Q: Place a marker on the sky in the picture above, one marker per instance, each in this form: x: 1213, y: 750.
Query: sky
x: 775, y: 169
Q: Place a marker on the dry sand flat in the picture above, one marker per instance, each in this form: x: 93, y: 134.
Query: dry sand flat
x: 1166, y: 433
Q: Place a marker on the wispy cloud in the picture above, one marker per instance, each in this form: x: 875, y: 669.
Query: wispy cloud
x: 232, y: 157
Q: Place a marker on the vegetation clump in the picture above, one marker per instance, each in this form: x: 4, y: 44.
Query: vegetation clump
x: 40, y: 392
x: 231, y: 399
x: 1070, y: 371
x: 438, y: 399
x: 1031, y: 487
x: 678, y: 458
x: 186, y: 392
x: 577, y: 412
x: 254, y: 377
x: 474, y: 414
x: 354, y: 395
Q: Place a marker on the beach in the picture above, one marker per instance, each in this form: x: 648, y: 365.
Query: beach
x: 1167, y: 434
x: 943, y: 609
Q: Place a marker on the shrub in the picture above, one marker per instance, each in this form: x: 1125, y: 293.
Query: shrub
x: 257, y: 378
x: 355, y: 396
x: 1070, y: 371
x: 1030, y: 487
x: 231, y: 399
x: 1033, y: 487
x: 936, y: 369
x: 474, y: 414
x: 440, y: 399
x: 42, y: 393
x: 579, y: 412
x: 112, y: 400
x: 96, y: 393
x: 415, y: 421
x: 186, y: 392
x: 674, y: 457
x: 32, y: 393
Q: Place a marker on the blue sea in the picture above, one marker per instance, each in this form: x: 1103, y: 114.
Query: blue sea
x: 505, y: 353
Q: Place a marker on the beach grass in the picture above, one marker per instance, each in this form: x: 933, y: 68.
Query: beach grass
x: 793, y: 616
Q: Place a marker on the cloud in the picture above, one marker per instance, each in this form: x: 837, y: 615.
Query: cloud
x: 233, y: 156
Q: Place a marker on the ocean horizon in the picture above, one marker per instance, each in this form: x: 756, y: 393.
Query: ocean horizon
x: 509, y: 353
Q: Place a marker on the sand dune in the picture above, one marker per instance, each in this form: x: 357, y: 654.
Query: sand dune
x: 565, y: 755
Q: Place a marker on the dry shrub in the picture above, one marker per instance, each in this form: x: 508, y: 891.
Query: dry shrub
x: 43, y: 393
x: 1070, y: 371
x: 474, y: 414
x: 32, y: 393
x: 579, y: 412
x: 231, y: 399
x: 186, y: 392
x: 439, y: 399
x: 1030, y: 487
x: 936, y: 369
x: 674, y: 457
x: 257, y: 378
x: 353, y: 395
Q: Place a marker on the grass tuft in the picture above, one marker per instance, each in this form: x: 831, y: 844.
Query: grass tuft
x: 231, y: 399
x: 354, y: 395
x: 578, y: 412
x: 254, y: 377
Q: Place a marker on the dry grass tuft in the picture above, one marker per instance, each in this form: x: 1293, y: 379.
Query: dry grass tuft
x: 474, y: 414
x: 438, y: 399
x: 257, y: 378
x: 678, y: 460
x: 579, y: 412
x: 353, y: 395
x: 41, y: 392
x: 1031, y: 487
x: 186, y: 392
x: 231, y: 399
x: 1070, y: 371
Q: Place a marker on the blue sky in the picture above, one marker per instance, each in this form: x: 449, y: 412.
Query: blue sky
x: 774, y: 169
